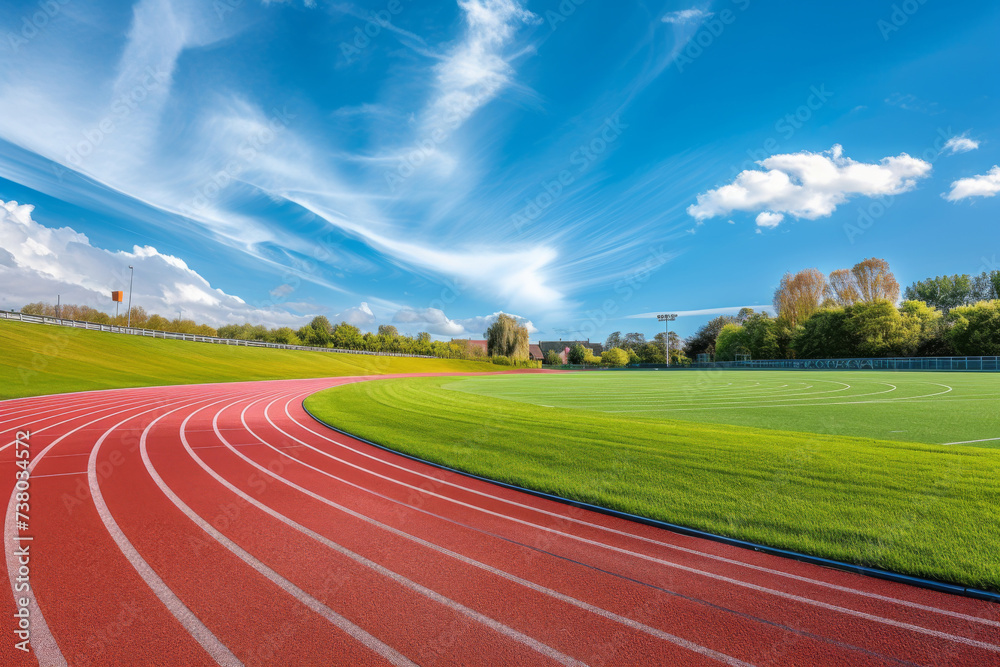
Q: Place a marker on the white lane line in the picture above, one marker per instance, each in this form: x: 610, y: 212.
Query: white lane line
x: 46, y: 649
x: 198, y: 630
x: 679, y: 641
x: 965, y: 442
x: 366, y: 639
x: 62, y: 474
x: 491, y: 623
x: 642, y: 538
x: 710, y: 575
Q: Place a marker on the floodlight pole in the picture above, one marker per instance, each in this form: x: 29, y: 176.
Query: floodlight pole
x: 130, y: 276
x: 667, y: 318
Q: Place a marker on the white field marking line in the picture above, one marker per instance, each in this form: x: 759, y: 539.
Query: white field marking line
x: 198, y: 630
x: 617, y: 532
x: 367, y: 640
x: 801, y: 400
x: 46, y: 649
x: 491, y: 623
x: 965, y: 442
x: 465, y: 559
x: 809, y: 405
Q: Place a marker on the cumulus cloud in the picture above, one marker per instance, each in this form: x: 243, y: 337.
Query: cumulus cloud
x: 768, y: 219
x: 809, y: 185
x: 360, y: 316
x: 686, y: 15
x: 983, y: 185
x: 434, y: 320
x: 960, y: 144
x: 39, y: 262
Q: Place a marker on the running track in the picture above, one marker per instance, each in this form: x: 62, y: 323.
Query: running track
x: 221, y: 524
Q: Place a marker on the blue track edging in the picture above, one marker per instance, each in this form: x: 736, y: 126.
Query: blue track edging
x: 693, y: 532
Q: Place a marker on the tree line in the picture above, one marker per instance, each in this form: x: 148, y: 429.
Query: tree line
x: 319, y: 332
x: 853, y: 313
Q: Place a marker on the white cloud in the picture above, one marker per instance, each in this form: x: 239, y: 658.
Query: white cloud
x: 434, y: 320
x: 769, y: 219
x: 809, y: 185
x: 40, y: 262
x: 475, y: 70
x: 983, y: 185
x: 960, y: 144
x: 360, y: 316
x: 686, y: 15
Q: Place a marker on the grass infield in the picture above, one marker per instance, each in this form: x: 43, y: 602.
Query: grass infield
x: 914, y: 508
x: 37, y: 359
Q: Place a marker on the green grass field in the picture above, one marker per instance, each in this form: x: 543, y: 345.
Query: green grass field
x: 37, y: 359
x: 785, y: 476
x: 935, y: 408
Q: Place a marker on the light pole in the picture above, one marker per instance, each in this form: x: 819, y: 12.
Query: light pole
x: 667, y: 318
x: 130, y: 276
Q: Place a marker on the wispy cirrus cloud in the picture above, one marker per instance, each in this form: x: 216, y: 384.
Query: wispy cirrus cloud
x: 686, y: 16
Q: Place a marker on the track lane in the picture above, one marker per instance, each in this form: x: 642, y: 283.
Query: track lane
x: 547, y: 548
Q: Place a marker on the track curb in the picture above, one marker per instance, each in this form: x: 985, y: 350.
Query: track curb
x: 875, y: 573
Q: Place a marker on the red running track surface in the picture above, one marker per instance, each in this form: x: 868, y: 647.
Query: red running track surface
x: 220, y: 524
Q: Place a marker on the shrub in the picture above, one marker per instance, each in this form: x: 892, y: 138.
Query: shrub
x: 615, y: 357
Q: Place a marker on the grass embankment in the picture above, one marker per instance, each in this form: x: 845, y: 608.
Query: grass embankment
x: 918, y: 509
x: 38, y: 359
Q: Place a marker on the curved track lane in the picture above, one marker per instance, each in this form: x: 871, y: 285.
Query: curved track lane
x: 220, y: 524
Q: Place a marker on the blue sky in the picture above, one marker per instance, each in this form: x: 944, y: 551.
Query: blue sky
x: 428, y: 164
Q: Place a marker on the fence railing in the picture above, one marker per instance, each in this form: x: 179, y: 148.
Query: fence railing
x: 168, y: 335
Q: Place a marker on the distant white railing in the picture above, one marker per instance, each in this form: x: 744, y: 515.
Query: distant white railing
x: 168, y: 335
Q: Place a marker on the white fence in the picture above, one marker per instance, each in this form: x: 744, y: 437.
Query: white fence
x: 150, y: 333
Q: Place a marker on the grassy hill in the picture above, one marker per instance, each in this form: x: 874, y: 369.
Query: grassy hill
x: 38, y: 359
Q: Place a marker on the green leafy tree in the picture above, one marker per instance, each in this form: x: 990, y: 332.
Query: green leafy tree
x: 577, y: 354
x: 975, y: 329
x: 346, y: 336
x: 615, y: 357
x: 552, y: 358
x: 387, y: 330
x: 614, y: 340
x: 761, y: 336
x: 703, y: 341
x: 651, y: 353
x: 730, y: 342
x: 633, y: 341
x: 507, y: 337
x: 423, y: 337
x: 942, y: 292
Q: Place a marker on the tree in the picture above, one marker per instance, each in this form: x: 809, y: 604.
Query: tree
x: 388, y: 330
x: 975, y: 329
x: 932, y: 328
x: 320, y: 323
x: 823, y: 336
x: 942, y: 292
x: 799, y: 296
x: 577, y: 354
x: 874, y: 281
x: 661, y: 338
x: 346, y: 337
x: 615, y: 357
x: 842, y: 289
x: 552, y: 358
x: 588, y: 357
x: 614, y: 340
x: 761, y: 336
x: 730, y: 342
x: 284, y: 336
x: 878, y: 330
x: 423, y: 337
x: 633, y: 341
x: 703, y: 341
x: 651, y: 353
x: 506, y: 337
